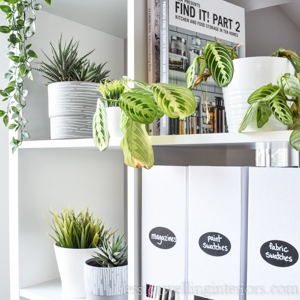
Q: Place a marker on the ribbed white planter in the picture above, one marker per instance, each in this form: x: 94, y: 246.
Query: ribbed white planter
x: 71, y: 106
x: 105, y: 283
x: 250, y: 74
x: 70, y: 265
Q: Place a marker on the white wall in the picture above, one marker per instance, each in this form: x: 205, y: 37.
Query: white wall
x: 269, y: 29
x: 4, y: 250
x: 108, y: 49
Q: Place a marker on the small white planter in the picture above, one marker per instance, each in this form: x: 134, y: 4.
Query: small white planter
x: 250, y: 74
x: 114, y: 121
x: 71, y: 106
x: 105, y: 283
x: 70, y: 265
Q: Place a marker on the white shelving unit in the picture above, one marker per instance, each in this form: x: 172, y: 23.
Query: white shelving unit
x: 45, y: 174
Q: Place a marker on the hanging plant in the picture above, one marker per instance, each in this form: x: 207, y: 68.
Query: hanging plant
x: 21, y: 20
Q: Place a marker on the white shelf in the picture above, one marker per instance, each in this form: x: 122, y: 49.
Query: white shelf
x: 50, y: 290
x: 223, y: 140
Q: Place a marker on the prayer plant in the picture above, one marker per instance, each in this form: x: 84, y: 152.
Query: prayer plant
x: 282, y: 100
x: 21, y: 26
x: 139, y: 106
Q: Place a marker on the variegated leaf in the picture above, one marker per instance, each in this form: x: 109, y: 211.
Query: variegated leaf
x: 136, y: 145
x: 139, y: 107
x: 219, y: 63
x: 295, y: 139
x: 281, y: 110
x: 263, y: 114
x: 264, y: 93
x: 173, y: 100
x: 290, y: 85
x: 100, y: 127
x: 199, y: 65
x: 249, y: 116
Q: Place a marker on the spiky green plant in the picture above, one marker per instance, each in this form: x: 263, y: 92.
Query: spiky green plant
x: 77, y: 231
x: 66, y: 65
x: 112, y: 253
x: 139, y: 106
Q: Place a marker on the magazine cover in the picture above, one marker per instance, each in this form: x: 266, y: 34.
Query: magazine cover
x: 185, y: 28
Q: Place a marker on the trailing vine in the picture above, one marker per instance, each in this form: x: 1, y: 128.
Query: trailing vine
x: 21, y: 22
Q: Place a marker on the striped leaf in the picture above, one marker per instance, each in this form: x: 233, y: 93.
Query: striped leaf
x: 263, y: 114
x: 249, y: 116
x: 136, y: 145
x: 100, y: 127
x: 199, y: 64
x: 295, y: 139
x: 290, y: 85
x: 173, y: 100
x: 280, y: 109
x: 219, y: 63
x: 139, y: 107
x: 264, y: 93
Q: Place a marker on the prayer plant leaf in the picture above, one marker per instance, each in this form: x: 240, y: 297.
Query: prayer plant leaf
x: 249, y: 116
x: 281, y: 110
x: 264, y: 93
x: 136, y: 145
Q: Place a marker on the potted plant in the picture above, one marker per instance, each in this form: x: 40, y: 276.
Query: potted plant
x: 72, y: 90
x: 76, y: 238
x: 21, y: 26
x: 220, y: 62
x: 139, y: 106
x: 105, y: 275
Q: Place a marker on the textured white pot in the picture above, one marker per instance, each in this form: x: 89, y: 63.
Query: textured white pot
x: 250, y: 74
x: 105, y: 283
x: 70, y: 265
x: 71, y: 106
x: 114, y: 121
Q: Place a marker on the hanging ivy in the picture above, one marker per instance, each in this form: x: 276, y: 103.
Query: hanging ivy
x: 21, y: 26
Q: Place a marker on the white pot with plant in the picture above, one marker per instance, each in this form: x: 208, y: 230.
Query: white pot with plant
x: 278, y: 97
x: 106, y: 274
x: 76, y: 239
x: 72, y: 90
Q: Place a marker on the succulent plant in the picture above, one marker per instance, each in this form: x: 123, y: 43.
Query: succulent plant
x: 77, y: 231
x: 112, y: 252
x: 65, y: 65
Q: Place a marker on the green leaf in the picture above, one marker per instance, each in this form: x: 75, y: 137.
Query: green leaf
x: 100, y: 127
x: 23, y: 70
x: 38, y: 6
x: 31, y: 53
x: 14, y: 58
x: 295, y: 139
x: 138, y: 107
x: 13, y: 38
x: 136, y: 145
x: 198, y: 63
x: 12, y: 126
x: 5, y: 120
x: 173, y: 100
x: 281, y: 110
x: 249, y: 116
x: 219, y: 63
x: 263, y: 114
x: 5, y: 8
x: 12, y: 1
x: 4, y: 29
x: 48, y: 2
x: 264, y: 93
x: 290, y: 85
x: 2, y: 113
x: 9, y: 89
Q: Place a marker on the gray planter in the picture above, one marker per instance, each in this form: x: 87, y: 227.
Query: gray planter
x: 105, y: 283
x: 72, y: 105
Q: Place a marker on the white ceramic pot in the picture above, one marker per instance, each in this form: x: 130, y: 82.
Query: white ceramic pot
x: 70, y: 265
x: 114, y: 121
x: 71, y: 106
x: 250, y: 74
x: 105, y: 283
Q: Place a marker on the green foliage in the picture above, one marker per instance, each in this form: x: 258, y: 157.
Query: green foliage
x: 66, y: 65
x: 139, y: 106
x: 216, y: 62
x: 112, y: 252
x: 77, y: 231
x: 21, y: 24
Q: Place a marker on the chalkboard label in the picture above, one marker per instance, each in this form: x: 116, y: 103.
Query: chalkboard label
x: 279, y: 253
x: 214, y: 244
x: 162, y: 238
